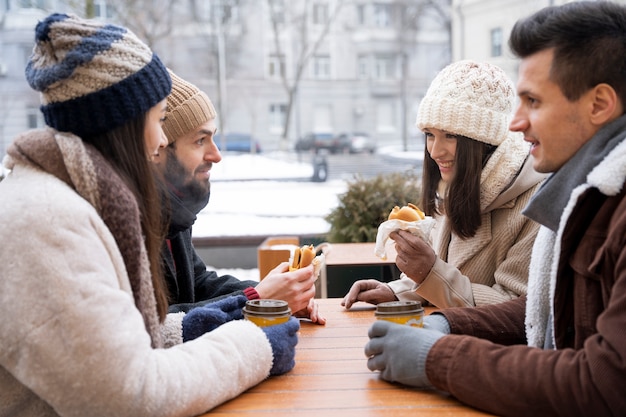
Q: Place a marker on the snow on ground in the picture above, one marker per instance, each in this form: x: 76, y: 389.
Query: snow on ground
x: 253, y: 208
x: 265, y: 195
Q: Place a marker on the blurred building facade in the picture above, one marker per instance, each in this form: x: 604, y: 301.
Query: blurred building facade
x: 279, y: 69
x: 481, y: 28
x: 343, y: 65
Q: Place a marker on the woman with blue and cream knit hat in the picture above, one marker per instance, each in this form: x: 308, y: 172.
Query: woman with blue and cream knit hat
x: 477, y: 178
x: 84, y: 329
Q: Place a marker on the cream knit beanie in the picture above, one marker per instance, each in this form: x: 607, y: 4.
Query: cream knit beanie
x: 472, y: 99
x: 187, y: 108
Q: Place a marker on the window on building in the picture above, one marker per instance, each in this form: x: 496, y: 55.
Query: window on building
x: 34, y: 118
x: 496, y: 42
x: 277, y: 115
x: 277, y: 10
x: 28, y: 4
x: 101, y: 10
x: 227, y: 12
x: 384, y: 67
x: 321, y: 67
x: 385, y: 116
x: 212, y: 65
x: 320, y: 13
x: 201, y: 10
x: 382, y: 15
x: 360, y: 14
x: 363, y: 68
x: 276, y: 67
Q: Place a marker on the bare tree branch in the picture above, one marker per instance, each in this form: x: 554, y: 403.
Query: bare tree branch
x: 307, y: 48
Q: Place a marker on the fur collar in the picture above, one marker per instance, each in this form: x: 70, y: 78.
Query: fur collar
x: 609, y: 177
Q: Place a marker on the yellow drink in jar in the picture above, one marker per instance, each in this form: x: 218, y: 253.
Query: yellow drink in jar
x: 266, y: 312
x: 408, y: 313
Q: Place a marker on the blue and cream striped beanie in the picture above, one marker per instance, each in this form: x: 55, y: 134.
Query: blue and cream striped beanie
x: 93, y: 77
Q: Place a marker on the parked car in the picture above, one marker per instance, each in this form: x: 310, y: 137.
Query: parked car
x: 318, y: 141
x: 356, y: 142
x: 238, y: 142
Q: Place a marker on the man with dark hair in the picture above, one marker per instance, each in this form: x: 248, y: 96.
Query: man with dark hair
x: 185, y: 165
x: 560, y: 350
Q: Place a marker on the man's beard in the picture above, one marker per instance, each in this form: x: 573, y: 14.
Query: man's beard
x: 194, y: 194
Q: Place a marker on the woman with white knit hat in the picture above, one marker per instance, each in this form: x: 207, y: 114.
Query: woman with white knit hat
x: 84, y: 329
x: 477, y: 178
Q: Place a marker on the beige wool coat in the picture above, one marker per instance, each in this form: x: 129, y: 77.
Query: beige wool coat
x: 72, y: 340
x: 491, y: 266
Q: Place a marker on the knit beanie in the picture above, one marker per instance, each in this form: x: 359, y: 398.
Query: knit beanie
x: 92, y: 76
x: 472, y: 99
x: 187, y: 108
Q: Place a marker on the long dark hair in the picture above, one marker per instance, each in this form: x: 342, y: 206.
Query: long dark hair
x: 462, y: 202
x: 124, y: 148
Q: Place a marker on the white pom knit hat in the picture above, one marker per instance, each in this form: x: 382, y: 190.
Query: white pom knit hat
x: 472, y: 99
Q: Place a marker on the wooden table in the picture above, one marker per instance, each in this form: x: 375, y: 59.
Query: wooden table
x: 331, y: 378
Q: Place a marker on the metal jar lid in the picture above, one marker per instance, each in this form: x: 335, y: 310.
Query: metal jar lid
x: 399, y: 308
x: 266, y: 307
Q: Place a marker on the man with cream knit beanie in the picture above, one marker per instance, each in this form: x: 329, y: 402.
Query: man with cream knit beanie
x: 185, y: 166
x: 479, y: 250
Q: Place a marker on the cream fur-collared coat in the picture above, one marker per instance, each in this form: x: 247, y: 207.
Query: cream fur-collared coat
x: 72, y: 341
x: 491, y: 266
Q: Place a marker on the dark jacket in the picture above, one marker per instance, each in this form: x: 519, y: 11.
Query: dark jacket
x: 189, y: 282
x: 586, y: 373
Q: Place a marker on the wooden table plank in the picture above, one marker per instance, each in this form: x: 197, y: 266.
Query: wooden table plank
x: 331, y: 378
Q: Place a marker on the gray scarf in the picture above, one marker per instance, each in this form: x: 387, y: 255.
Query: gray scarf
x: 547, y: 205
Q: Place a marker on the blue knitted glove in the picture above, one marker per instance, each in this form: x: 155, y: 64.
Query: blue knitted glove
x: 399, y: 352
x: 283, y: 338
x: 437, y: 322
x: 201, y: 320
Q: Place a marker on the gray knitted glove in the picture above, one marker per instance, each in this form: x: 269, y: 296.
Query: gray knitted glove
x: 437, y: 322
x: 399, y: 352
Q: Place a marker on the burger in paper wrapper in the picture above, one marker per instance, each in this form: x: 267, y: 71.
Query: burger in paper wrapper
x: 409, y: 218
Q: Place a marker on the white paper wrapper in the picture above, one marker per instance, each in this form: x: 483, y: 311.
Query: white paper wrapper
x: 420, y: 228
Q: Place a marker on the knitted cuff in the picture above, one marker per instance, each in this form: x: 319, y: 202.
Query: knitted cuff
x: 437, y: 322
x: 251, y: 293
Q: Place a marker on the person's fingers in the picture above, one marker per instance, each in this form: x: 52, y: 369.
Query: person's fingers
x: 352, y: 295
x: 280, y: 268
x: 376, y: 363
x: 373, y: 347
x: 378, y: 329
x: 314, y: 313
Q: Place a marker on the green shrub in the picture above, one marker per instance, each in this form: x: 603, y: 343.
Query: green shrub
x: 367, y: 203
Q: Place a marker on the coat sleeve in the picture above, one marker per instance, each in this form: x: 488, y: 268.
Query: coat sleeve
x: 521, y: 380
x: 71, y: 332
x: 210, y: 287
x: 448, y: 286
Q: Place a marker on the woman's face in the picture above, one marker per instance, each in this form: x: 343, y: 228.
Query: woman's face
x: 441, y: 147
x: 153, y: 130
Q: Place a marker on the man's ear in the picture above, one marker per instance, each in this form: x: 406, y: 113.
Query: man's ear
x: 606, y: 104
